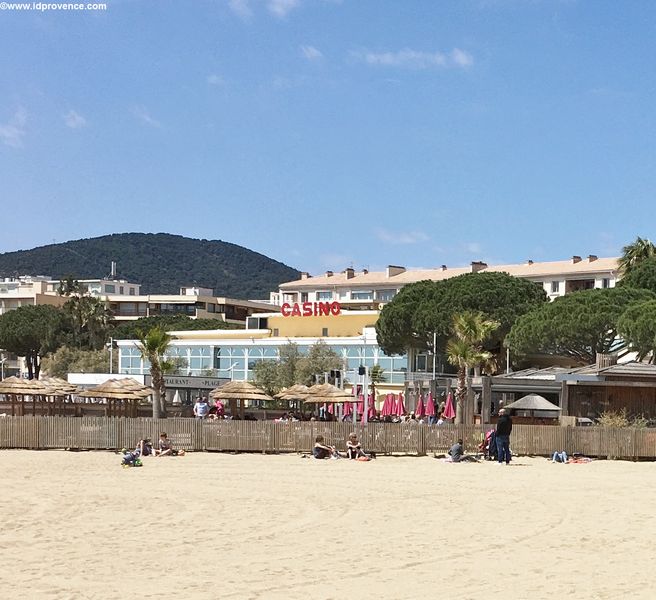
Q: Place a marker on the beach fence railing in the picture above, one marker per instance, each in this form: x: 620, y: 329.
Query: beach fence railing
x: 103, y: 433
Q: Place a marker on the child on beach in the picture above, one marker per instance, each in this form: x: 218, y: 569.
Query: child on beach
x: 133, y: 459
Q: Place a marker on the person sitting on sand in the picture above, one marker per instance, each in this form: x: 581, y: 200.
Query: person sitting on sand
x: 559, y: 457
x: 354, y: 448
x: 322, y: 451
x: 133, y: 459
x: 166, y: 447
x: 457, y: 454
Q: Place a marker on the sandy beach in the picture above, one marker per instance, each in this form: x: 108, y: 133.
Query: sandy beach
x: 75, y: 525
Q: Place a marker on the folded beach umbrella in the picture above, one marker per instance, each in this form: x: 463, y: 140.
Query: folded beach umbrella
x: 449, y: 411
x: 419, y: 409
x: 400, y: 407
x: 360, y: 404
x: 430, y: 405
x: 371, y: 413
x: 348, y: 408
x: 387, y: 406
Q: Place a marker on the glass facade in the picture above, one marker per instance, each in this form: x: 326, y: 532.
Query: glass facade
x: 238, y: 362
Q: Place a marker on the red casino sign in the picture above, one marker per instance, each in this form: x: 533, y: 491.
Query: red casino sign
x: 310, y: 309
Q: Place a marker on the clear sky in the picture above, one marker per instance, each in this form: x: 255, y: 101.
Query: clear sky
x: 331, y: 133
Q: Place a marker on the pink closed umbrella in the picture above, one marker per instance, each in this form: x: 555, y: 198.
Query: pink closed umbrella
x: 419, y: 409
x: 387, y: 406
x: 430, y: 405
x: 348, y: 408
x: 371, y: 413
x: 449, y: 411
x: 360, y: 404
x: 400, y: 407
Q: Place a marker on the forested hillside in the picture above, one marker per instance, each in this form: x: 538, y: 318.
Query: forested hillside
x: 161, y: 262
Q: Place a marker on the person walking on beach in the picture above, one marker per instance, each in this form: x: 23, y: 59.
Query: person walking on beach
x: 504, y: 428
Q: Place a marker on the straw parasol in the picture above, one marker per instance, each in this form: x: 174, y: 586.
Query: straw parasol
x: 238, y: 390
x: 121, y: 390
x: 327, y: 393
x: 22, y: 387
x: 295, y: 392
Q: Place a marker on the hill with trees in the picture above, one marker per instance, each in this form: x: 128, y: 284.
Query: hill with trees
x: 160, y: 262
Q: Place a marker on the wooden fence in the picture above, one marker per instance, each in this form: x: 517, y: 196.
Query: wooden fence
x: 95, y: 433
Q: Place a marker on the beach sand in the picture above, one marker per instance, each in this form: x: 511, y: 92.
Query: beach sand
x: 75, y: 525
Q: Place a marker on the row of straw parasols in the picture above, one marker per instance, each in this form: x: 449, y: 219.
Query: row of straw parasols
x: 122, y: 395
x: 239, y: 391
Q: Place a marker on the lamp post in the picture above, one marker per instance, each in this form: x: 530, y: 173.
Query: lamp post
x: 110, y: 345
x: 2, y: 368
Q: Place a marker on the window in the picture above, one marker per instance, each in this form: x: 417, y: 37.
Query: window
x: 131, y: 291
x: 110, y: 288
x: 362, y: 295
x: 304, y: 297
x: 605, y: 283
x: 385, y: 295
x: 555, y: 287
x: 275, y: 332
x: 324, y: 332
x: 324, y: 296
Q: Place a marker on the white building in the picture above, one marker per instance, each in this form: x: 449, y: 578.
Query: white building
x: 370, y: 290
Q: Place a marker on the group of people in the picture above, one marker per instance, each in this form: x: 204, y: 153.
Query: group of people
x: 354, y: 449
x: 132, y: 458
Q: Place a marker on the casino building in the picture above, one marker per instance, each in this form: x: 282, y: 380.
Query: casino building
x: 233, y: 354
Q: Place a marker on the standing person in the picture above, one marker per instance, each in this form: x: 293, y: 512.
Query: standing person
x: 201, y: 408
x: 504, y: 428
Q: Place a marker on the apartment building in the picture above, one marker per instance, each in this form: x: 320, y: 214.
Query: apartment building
x: 364, y: 290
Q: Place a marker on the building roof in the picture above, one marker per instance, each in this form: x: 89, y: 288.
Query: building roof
x: 586, y: 266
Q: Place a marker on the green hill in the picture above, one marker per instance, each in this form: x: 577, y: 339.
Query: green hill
x: 161, y: 262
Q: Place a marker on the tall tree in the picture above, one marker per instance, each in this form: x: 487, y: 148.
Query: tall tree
x: 376, y: 376
x: 88, y: 322
x: 267, y: 376
x: 74, y: 360
x: 638, y: 327
x: 634, y: 253
x: 422, y: 308
x: 578, y: 325
x: 31, y: 332
x: 642, y: 275
x: 290, y: 357
x: 465, y: 349
x: 153, y: 345
x: 319, y: 360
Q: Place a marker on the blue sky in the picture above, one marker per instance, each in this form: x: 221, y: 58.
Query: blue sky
x: 330, y: 133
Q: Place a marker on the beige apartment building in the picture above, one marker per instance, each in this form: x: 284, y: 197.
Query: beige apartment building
x: 125, y: 302
x: 367, y: 290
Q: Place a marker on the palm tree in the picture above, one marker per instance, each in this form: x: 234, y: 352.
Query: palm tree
x: 634, y: 253
x: 152, y: 345
x: 376, y: 375
x: 464, y: 349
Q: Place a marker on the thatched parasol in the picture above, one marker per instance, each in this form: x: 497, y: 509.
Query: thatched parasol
x: 239, y: 390
x: 295, y: 392
x: 122, y: 389
x: 22, y: 387
x: 327, y: 393
x: 58, y: 387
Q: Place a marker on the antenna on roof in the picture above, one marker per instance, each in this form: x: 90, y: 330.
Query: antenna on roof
x: 112, y: 273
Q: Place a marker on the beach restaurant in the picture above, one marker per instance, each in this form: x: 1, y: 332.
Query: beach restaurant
x: 232, y: 355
